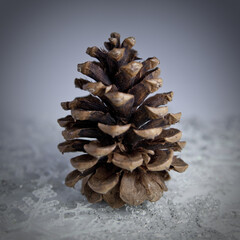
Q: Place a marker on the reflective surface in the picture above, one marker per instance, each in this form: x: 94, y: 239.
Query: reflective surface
x: 202, y: 203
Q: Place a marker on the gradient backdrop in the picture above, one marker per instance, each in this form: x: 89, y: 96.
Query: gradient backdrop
x: 197, y: 42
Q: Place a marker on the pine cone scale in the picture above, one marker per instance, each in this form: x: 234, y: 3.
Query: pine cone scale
x: 103, y: 180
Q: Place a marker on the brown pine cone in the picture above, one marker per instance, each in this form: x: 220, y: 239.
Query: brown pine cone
x: 133, y: 145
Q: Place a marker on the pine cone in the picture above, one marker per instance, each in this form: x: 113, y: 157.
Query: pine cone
x: 133, y: 147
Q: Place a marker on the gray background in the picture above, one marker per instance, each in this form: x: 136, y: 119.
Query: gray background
x: 42, y: 42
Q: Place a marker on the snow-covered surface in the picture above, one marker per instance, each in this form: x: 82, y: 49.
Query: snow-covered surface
x: 202, y: 203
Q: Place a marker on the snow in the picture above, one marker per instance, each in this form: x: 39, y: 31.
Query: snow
x: 202, y: 203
